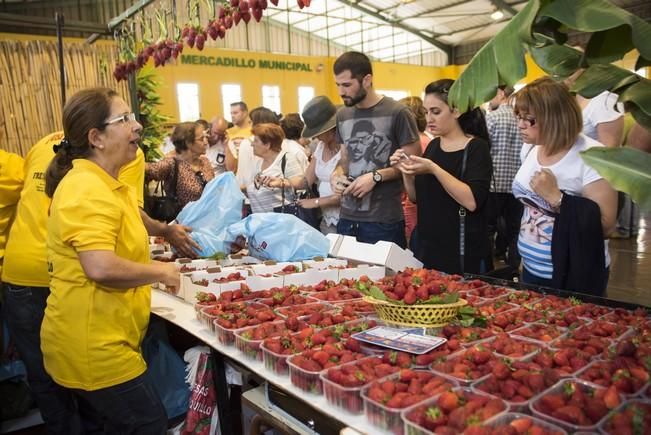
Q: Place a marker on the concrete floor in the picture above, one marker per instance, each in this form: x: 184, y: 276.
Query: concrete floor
x: 630, y: 268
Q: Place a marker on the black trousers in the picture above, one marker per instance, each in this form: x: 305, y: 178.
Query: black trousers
x: 504, y: 216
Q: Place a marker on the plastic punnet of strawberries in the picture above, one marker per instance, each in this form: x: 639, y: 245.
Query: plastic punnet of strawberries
x: 577, y: 404
x: 454, y: 412
x: 565, y: 361
x: 517, y: 381
x: 633, y: 418
x: 469, y: 365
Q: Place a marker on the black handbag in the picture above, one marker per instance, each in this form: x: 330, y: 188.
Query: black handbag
x: 307, y: 215
x: 161, y: 206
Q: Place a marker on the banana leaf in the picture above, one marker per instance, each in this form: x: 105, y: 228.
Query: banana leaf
x: 540, y: 26
x: 634, y: 91
x: 615, y: 31
x: 626, y: 169
x: 559, y: 61
x: 500, y: 61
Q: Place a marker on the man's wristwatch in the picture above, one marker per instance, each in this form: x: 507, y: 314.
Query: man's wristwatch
x: 377, y: 177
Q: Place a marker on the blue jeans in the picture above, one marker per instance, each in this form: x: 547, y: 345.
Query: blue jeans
x: 530, y: 278
x: 132, y: 407
x: 24, y: 308
x: 371, y: 232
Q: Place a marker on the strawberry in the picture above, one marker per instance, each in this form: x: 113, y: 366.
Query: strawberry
x: 434, y: 418
x: 396, y: 400
x: 611, y: 398
x: 410, y: 297
x: 521, y: 425
x: 448, y: 401
x: 572, y: 414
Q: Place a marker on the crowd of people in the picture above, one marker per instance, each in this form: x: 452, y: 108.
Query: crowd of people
x: 458, y: 188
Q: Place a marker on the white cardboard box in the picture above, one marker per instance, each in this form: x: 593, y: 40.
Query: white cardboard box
x: 311, y: 277
x: 256, y: 282
x: 199, y: 264
x: 372, y: 271
x: 239, y: 260
x: 382, y: 253
x: 325, y: 263
x: 190, y: 288
x: 263, y: 269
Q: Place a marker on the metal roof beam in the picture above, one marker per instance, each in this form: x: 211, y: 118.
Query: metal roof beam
x: 33, y: 22
x: 131, y: 11
x: 344, y: 35
x: 431, y: 11
x: 447, y: 49
x: 477, y: 26
x: 504, y: 6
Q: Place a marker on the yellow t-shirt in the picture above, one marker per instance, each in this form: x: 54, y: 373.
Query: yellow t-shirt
x: 133, y: 174
x: 26, y: 262
x: 236, y: 132
x: 91, y: 334
x: 11, y: 181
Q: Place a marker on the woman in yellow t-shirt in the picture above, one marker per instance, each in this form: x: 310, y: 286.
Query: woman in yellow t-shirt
x: 98, y: 259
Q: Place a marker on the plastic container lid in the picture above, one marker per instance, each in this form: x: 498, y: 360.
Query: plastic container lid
x: 508, y: 417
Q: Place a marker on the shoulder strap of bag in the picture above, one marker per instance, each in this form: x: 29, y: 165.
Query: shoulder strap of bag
x: 462, y: 213
x: 283, y: 164
x: 175, y: 177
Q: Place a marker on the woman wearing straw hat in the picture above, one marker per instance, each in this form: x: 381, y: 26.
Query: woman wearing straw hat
x: 319, y: 117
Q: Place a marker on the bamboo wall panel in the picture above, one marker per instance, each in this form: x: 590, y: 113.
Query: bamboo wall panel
x: 30, y: 96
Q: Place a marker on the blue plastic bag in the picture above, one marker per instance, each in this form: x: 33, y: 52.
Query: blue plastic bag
x: 279, y: 237
x: 219, y: 206
x: 167, y: 371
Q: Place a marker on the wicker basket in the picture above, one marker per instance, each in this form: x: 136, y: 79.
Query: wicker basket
x: 426, y: 315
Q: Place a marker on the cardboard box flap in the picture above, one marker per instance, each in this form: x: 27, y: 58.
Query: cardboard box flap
x: 382, y: 253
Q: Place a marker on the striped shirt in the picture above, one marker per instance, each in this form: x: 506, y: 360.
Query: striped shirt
x: 505, y: 147
x: 264, y: 199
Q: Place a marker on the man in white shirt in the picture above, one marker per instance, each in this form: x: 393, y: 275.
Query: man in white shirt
x: 217, y: 141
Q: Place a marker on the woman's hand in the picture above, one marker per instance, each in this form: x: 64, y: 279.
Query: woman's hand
x: 544, y: 183
x: 272, y: 182
x: 308, y: 203
x: 415, y: 165
x: 170, y: 275
x: 397, y: 158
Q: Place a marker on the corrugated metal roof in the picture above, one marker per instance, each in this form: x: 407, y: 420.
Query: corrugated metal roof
x: 388, y: 29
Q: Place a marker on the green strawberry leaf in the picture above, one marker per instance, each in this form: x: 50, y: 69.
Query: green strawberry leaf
x: 450, y: 298
x: 575, y: 301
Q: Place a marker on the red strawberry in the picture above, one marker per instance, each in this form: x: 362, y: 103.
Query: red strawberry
x: 521, y: 425
x: 611, y: 398
x: 410, y: 297
x: 448, y: 401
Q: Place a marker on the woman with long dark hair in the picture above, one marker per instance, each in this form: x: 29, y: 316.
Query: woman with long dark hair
x: 450, y: 184
x: 98, y: 261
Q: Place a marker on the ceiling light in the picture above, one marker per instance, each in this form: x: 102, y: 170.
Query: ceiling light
x: 497, y: 15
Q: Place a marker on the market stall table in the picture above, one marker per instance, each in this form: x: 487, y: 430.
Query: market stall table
x: 183, y: 315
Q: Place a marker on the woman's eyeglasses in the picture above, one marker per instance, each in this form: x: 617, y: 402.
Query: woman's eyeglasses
x: 121, y: 119
x: 527, y: 121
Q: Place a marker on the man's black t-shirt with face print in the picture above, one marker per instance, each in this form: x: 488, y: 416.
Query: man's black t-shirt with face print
x: 370, y: 136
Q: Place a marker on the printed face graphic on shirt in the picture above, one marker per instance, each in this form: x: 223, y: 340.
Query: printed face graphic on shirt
x: 536, y: 226
x: 368, y: 148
